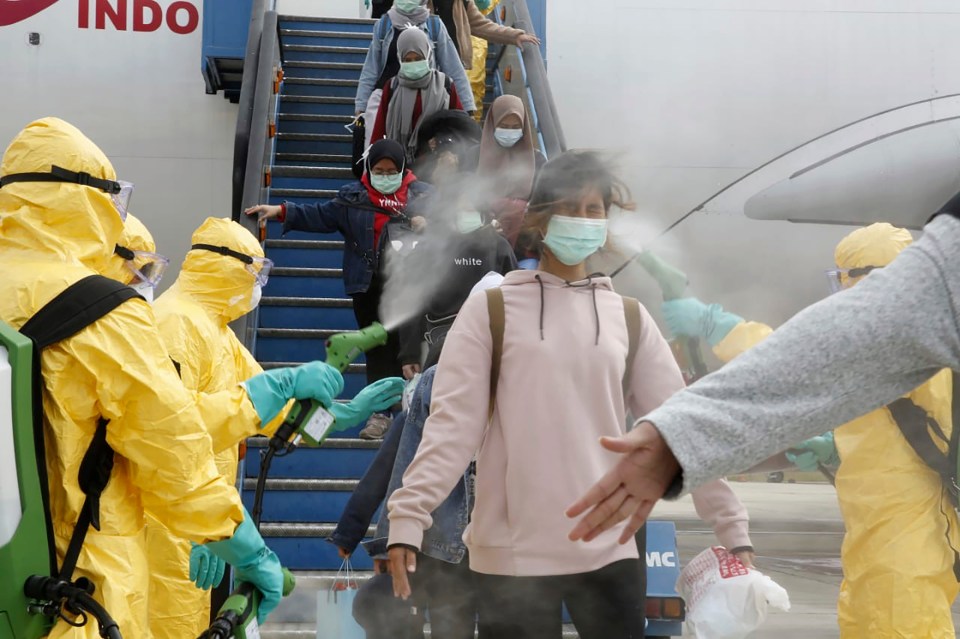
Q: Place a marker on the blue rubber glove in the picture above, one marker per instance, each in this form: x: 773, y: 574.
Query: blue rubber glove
x: 366, y: 3
x: 817, y: 451
x: 252, y: 562
x: 483, y: 5
x: 376, y: 397
x: 270, y: 391
x: 206, y: 569
x: 689, y: 317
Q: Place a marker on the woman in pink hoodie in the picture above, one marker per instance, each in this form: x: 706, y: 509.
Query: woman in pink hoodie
x: 563, y: 384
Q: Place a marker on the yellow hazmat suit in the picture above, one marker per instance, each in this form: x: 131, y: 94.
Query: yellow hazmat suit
x: 478, y: 74
x: 211, y: 291
x: 52, y: 235
x: 898, y: 551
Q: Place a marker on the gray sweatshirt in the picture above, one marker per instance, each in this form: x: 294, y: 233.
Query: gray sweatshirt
x: 841, y: 358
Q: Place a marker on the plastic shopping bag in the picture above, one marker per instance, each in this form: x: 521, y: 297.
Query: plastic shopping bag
x: 335, y: 607
x: 408, y: 391
x: 725, y: 599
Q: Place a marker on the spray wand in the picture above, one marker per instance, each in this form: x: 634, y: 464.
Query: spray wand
x: 308, y: 421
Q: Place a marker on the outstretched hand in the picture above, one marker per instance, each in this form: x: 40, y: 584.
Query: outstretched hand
x: 630, y: 489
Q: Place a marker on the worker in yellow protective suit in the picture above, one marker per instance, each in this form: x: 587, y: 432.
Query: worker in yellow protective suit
x: 61, y: 216
x: 211, y: 291
x: 477, y: 74
x: 135, y: 261
x: 900, y: 549
x: 214, y: 288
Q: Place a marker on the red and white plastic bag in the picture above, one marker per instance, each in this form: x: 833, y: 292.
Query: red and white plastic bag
x: 725, y: 599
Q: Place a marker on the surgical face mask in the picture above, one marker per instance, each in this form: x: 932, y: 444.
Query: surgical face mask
x: 507, y: 138
x: 573, y: 239
x: 256, y: 296
x: 407, y: 6
x: 469, y: 221
x: 414, y: 70
x: 145, y: 289
x: 386, y: 184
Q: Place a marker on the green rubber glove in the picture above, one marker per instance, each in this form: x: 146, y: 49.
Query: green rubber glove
x: 689, y: 317
x: 270, y: 391
x: 376, y: 397
x: 816, y: 451
x: 206, y: 569
x: 252, y: 562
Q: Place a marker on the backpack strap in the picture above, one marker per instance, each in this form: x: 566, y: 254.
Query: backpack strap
x: 919, y: 428
x: 77, y: 307
x: 497, y: 313
x: 633, y: 319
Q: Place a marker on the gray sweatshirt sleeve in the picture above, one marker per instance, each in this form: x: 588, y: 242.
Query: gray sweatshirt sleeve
x: 841, y: 358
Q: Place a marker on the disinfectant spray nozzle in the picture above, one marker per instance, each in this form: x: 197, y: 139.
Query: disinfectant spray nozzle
x: 344, y: 348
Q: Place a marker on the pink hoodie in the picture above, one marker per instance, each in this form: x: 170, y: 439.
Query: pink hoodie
x: 560, y: 389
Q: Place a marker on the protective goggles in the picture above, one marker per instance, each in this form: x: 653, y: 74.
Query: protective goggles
x: 259, y: 267
x: 119, y: 191
x: 841, y: 278
x: 147, y: 268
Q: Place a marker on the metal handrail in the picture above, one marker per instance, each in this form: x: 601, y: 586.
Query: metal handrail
x: 241, y: 140
x: 253, y: 125
x: 536, y: 86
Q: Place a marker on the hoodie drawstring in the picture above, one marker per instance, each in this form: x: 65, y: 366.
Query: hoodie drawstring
x: 596, y: 312
x: 540, y: 281
x: 593, y: 293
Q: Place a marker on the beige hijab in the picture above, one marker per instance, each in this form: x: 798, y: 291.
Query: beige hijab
x: 512, y: 170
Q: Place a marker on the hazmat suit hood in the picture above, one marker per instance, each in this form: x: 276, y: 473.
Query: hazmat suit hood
x: 875, y: 245
x: 63, y: 221
x: 136, y: 237
x: 220, y: 283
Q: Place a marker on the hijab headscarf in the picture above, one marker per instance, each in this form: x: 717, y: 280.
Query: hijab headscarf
x: 431, y: 88
x: 511, y: 169
x: 402, y: 18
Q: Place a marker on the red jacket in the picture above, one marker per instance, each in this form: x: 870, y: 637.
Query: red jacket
x: 380, y: 127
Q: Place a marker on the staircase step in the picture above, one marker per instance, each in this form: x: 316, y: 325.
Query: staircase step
x: 272, y: 630
x: 312, y: 172
x: 340, y: 143
x: 308, y: 316
x: 318, y: 105
x: 318, y: 22
x: 301, y: 196
x: 327, y: 38
x: 307, y: 302
x: 296, y: 52
x: 314, y: 123
x: 299, y: 345
x: 305, y: 282
x: 289, y: 529
x: 339, y: 485
x: 321, y: 87
x: 336, y: 70
x: 306, y: 159
x: 339, y: 458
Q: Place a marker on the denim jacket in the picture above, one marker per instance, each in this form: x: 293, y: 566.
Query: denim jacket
x: 445, y: 54
x: 352, y: 214
x: 444, y: 539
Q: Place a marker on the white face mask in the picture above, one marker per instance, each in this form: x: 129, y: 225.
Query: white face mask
x: 255, y: 298
x: 507, y: 137
x: 469, y: 221
x: 145, y: 290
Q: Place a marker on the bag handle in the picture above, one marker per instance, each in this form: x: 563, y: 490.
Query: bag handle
x: 633, y: 319
x: 497, y: 313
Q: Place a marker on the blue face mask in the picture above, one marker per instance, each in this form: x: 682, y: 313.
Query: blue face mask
x: 407, y: 6
x: 386, y: 184
x: 414, y: 70
x: 469, y: 221
x: 507, y: 138
x: 573, y: 239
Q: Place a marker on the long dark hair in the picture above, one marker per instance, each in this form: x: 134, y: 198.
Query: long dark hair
x: 566, y: 178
